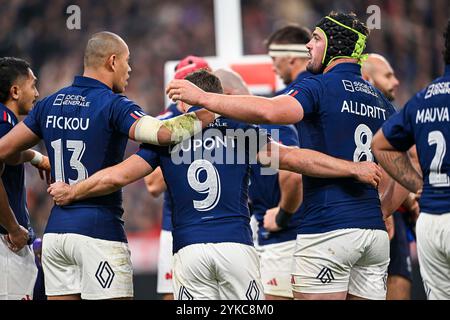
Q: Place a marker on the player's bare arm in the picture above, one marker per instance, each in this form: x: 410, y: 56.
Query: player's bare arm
x: 165, y: 132
x: 250, y: 109
x: 101, y: 183
x: 392, y: 195
x: 291, y: 199
x: 316, y: 164
x: 17, y: 236
x: 155, y: 183
x: 397, y: 164
x: 14, y: 150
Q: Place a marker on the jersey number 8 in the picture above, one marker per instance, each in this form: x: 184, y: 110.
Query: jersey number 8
x: 363, y: 140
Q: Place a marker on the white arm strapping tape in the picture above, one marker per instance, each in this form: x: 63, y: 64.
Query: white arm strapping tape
x: 147, y: 130
x: 37, y: 158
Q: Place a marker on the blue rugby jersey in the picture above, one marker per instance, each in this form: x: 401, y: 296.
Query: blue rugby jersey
x: 425, y: 122
x: 341, y: 113
x: 209, y: 196
x: 85, y: 128
x: 13, y: 177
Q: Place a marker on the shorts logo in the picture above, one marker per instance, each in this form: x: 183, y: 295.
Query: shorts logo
x: 272, y: 282
x: 325, y: 275
x: 252, y: 291
x: 184, y: 294
x: 104, y: 274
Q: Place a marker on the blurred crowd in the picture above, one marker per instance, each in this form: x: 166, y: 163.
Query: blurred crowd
x: 157, y: 31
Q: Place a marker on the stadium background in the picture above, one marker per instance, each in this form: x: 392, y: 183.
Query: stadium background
x: 157, y: 31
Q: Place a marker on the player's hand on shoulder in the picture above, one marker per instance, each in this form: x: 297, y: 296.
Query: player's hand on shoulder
x: 368, y: 172
x: 270, y: 223
x: 17, y: 239
x: 44, y: 169
x: 61, y: 193
x: 186, y: 91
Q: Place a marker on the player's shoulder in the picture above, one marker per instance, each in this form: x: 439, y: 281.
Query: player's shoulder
x: 310, y: 81
x: 6, y: 116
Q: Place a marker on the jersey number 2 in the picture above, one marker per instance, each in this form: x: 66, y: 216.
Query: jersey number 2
x: 77, y: 148
x: 436, y: 178
x: 211, y: 185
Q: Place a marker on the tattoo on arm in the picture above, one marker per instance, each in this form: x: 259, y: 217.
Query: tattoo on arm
x: 399, y: 166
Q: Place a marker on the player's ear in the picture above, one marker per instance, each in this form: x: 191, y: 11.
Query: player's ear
x: 14, y: 92
x: 292, y: 61
x: 111, y: 62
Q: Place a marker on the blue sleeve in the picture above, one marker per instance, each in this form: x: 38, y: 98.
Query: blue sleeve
x: 307, y: 92
x: 5, y: 127
x: 194, y: 108
x: 124, y: 114
x: 398, y: 130
x: 288, y: 136
x: 33, y: 120
x: 150, y: 154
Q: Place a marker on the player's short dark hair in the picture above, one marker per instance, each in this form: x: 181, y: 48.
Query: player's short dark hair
x: 291, y: 34
x: 205, y: 80
x: 447, y: 44
x: 350, y: 20
x: 10, y: 70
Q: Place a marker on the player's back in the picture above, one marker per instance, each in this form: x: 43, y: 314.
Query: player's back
x: 85, y: 129
x: 342, y: 113
x: 428, y: 119
x: 207, y: 180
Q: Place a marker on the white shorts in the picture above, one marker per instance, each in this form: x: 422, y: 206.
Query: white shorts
x: 346, y: 260
x: 165, y: 263
x: 433, y: 250
x: 217, y: 271
x: 95, y: 268
x: 18, y: 273
x: 276, y: 268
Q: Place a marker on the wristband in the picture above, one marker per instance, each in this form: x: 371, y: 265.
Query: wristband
x: 283, y: 217
x: 37, y: 158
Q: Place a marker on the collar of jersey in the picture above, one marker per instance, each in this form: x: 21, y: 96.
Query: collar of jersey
x: 303, y: 75
x: 81, y: 81
x: 346, y: 67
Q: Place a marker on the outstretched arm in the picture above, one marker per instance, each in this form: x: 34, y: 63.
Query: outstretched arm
x: 101, y: 183
x: 14, y: 145
x: 397, y: 164
x: 251, y: 109
x: 14, y: 149
x: 171, y: 131
x: 320, y: 165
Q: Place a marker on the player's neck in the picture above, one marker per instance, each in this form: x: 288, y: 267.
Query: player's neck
x: 13, y: 106
x: 339, y: 61
x: 98, y: 75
